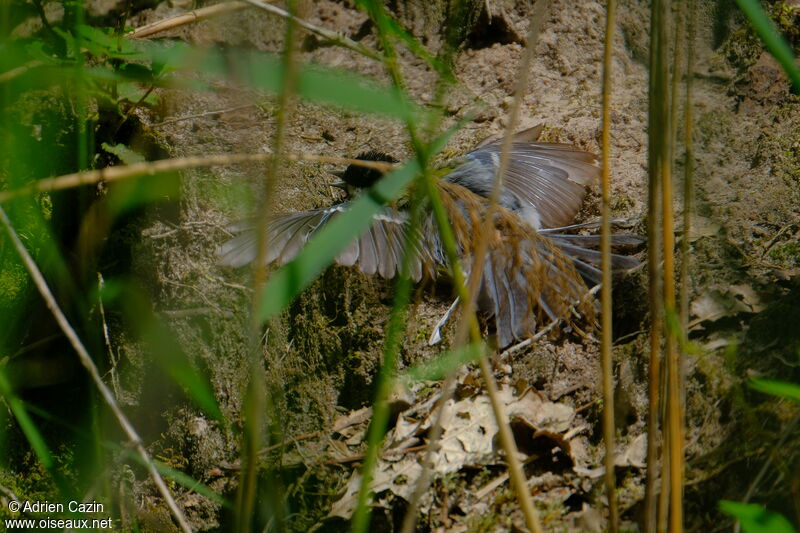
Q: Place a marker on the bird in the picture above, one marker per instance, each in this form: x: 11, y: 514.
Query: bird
x: 536, y: 268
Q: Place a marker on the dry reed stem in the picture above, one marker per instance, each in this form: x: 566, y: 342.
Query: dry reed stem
x: 151, y: 168
x: 605, y: 295
x: 674, y: 411
x: 228, y: 7
x: 185, y: 18
x: 652, y: 508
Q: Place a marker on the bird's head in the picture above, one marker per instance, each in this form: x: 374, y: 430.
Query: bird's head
x: 358, y: 177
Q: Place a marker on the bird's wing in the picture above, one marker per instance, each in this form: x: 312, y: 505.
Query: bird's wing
x: 378, y: 250
x: 551, y: 178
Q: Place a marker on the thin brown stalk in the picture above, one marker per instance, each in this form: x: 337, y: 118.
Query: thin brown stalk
x: 185, y: 18
x: 674, y: 417
x: 203, y: 115
x: 677, y: 74
x: 285, y: 106
x: 605, y: 293
x: 656, y: 132
x: 663, y: 495
x: 515, y: 472
x: 151, y: 168
x: 680, y: 30
x: 91, y: 368
x: 688, y: 170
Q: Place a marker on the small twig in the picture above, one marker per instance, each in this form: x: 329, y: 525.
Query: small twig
x: 88, y: 363
x: 489, y: 487
x: 530, y: 340
x: 212, y: 11
x: 106, y: 337
x: 195, y: 311
x: 625, y: 338
x: 237, y: 286
x: 290, y: 440
x: 31, y: 346
x: 8, y: 493
x: 762, y: 472
x: 777, y: 236
x: 203, y: 296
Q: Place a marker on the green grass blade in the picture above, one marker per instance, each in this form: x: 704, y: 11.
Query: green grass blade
x: 771, y: 36
x: 184, y: 480
x: 26, y: 423
x: 33, y: 436
x: 390, y: 26
x: 777, y: 388
x: 177, y: 365
x: 755, y: 518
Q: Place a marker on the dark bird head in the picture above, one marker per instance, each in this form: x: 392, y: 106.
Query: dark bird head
x: 362, y: 177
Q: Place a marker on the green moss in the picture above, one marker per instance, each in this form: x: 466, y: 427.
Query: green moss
x: 13, y: 283
x: 787, y: 18
x: 788, y: 253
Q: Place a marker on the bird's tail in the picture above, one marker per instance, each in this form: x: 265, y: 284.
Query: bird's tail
x: 583, y: 251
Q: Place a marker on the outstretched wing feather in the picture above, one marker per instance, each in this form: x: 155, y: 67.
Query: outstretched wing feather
x: 378, y: 250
